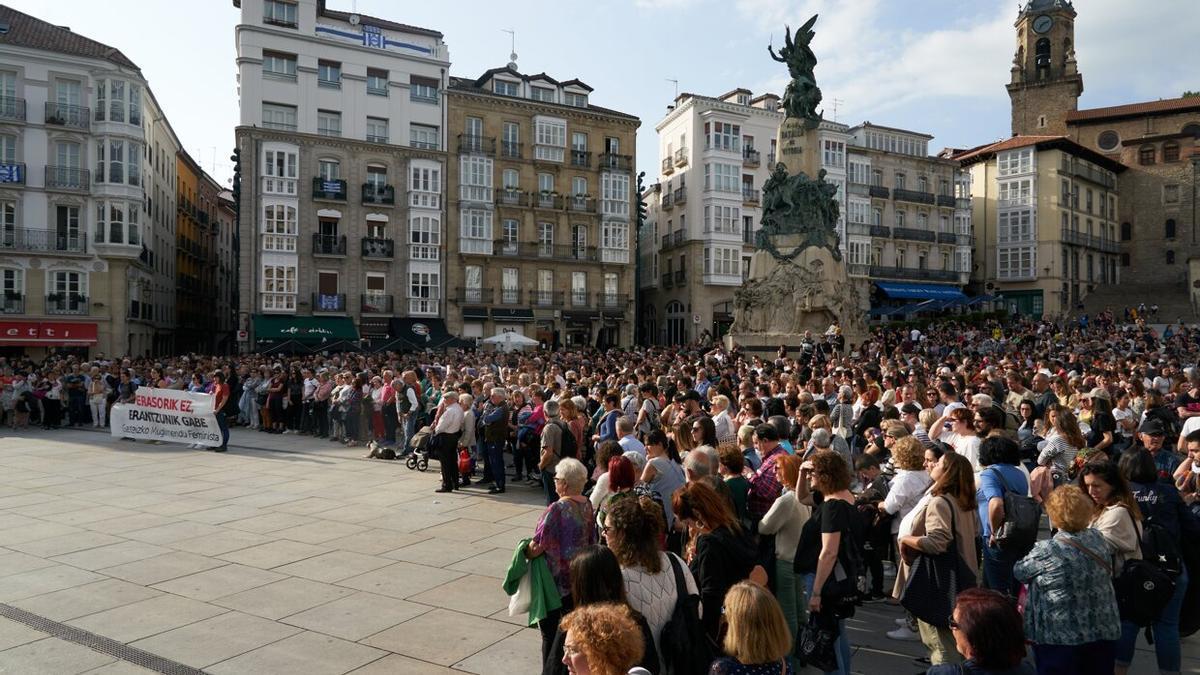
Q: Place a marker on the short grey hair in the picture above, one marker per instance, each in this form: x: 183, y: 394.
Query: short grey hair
x: 624, y: 425
x: 637, y: 459
x: 572, y: 472
x: 721, y: 401
x: 550, y: 408
x: 698, y: 462
x: 822, y: 438
x: 981, y: 400
x: 500, y: 391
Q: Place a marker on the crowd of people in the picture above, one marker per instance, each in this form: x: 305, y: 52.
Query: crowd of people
x: 750, y: 503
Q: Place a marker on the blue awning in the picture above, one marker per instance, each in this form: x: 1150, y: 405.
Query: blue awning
x: 920, y: 291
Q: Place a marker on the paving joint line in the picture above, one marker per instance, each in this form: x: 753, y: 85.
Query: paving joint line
x: 98, y: 643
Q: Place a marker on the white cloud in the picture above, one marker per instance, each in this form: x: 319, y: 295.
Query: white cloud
x: 663, y: 4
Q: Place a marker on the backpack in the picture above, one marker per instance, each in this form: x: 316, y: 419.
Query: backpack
x: 1145, y: 587
x: 1022, y: 516
x: 685, y: 646
x: 569, y: 447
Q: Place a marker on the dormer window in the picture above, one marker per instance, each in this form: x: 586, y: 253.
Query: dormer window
x: 743, y: 99
x: 505, y: 88
x: 575, y: 100
x: 545, y: 94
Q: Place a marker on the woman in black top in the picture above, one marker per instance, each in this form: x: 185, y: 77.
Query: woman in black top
x: 1103, y: 427
x: 828, y: 550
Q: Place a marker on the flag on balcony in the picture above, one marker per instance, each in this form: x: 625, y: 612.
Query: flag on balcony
x: 11, y: 173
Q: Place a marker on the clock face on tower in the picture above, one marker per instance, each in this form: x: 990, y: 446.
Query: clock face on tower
x: 1042, y: 24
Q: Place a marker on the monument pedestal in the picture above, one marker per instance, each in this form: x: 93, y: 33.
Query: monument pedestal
x: 783, y: 298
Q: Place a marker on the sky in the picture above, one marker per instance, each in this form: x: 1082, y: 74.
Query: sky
x: 935, y: 66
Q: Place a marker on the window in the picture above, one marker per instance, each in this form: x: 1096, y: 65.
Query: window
x: 614, y: 194
x: 1126, y: 232
x: 614, y: 241
x: 8, y: 148
x: 575, y: 100
x: 579, y: 141
x: 508, y: 237
x: 511, y: 179
x: 118, y: 162
x: 279, y: 13
x: 1169, y: 228
x: 545, y: 94
x: 279, y: 169
x: 425, y: 237
x: 8, y: 224
x: 859, y: 212
x: 1170, y: 257
x: 923, y: 221
x: 279, y: 228
x: 550, y: 137
x: 834, y: 154
x: 423, y: 136
x: 279, y: 287
x: 1015, y: 161
x: 277, y: 64
x: 72, y: 287
x: 425, y: 187
x: 329, y: 169
x: 475, y: 176
x: 1015, y: 227
x: 329, y: 123
x: 1170, y: 151
x: 12, y: 282
x: 579, y: 186
x: 579, y: 289
x: 859, y: 173
x: 900, y: 181
x: 475, y: 231
x: 377, y: 178
x: 1146, y: 155
x: 473, y: 283
x: 1170, y: 194
x: 377, y: 82
x: 545, y: 238
x: 276, y: 116
x: 423, y: 89
x: 722, y: 136
x: 721, y: 219
x: 377, y: 130
x: 1108, y: 140
x: 579, y: 239
x: 329, y: 74
x: 506, y: 88
x: 722, y: 177
x: 723, y: 261
x: 1016, y: 262
x: 116, y: 101
x: 1016, y: 192
x: 900, y: 218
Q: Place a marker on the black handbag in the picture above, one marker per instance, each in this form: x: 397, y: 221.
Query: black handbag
x: 684, y: 645
x: 817, y: 644
x: 934, y: 581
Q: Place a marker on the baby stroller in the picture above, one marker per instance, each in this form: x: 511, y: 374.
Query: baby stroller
x: 419, y: 459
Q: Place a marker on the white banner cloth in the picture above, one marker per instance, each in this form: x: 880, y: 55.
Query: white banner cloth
x: 167, y: 415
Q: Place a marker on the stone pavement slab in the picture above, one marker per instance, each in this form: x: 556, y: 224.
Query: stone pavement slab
x: 149, y: 617
x: 219, y: 582
x: 210, y: 641
x: 357, y: 616
x: 399, y: 580
x: 306, y: 652
x: 51, y: 656
x: 71, y: 603
x: 273, y: 554
x: 457, y: 636
x: 172, y: 565
x: 334, y: 566
x: 13, y: 634
x: 282, y: 598
x: 517, y: 654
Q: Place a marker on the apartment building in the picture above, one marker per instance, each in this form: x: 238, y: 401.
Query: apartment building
x: 1046, y: 213
x: 204, y: 262
x: 87, y: 197
x: 541, y: 201
x: 341, y: 140
x: 908, y: 218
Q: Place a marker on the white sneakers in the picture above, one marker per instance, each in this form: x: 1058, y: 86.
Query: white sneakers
x: 904, y: 634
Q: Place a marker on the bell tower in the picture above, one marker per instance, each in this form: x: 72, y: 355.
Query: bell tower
x: 1045, y: 83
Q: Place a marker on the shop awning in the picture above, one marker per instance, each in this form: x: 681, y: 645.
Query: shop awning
x: 423, y: 333
x: 308, y: 329
x: 476, y: 313
x: 46, y: 334
x: 920, y: 291
x: 512, y: 314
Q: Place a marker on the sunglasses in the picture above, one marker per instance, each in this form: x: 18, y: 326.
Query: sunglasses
x: 952, y: 624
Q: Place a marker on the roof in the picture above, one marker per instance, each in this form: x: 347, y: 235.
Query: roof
x: 31, y: 32
x: 1045, y: 5
x: 477, y: 86
x: 577, y: 83
x: 865, y: 125
x: 986, y: 152
x: 1160, y: 107
x: 322, y: 10
x: 739, y: 90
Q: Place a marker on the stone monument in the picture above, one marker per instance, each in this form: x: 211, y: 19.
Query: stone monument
x: 798, y: 280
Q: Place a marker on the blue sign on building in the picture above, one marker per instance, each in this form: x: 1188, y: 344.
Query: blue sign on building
x: 12, y: 173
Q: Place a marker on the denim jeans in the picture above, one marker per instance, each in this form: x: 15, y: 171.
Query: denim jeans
x: 1165, y: 631
x: 998, y: 570
x: 842, y: 646
x: 223, y: 425
x: 495, y: 461
x: 789, y: 591
x: 548, y: 486
x: 410, y: 430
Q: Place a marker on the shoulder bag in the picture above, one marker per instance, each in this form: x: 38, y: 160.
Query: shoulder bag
x: 935, y: 580
x: 685, y: 646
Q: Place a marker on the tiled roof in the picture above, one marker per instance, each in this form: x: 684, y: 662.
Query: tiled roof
x: 477, y: 85
x: 1006, y: 144
x: 31, y: 32
x: 986, y: 152
x: 1135, y: 109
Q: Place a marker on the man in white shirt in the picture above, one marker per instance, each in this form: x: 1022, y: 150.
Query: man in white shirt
x: 629, y: 442
x: 447, y: 430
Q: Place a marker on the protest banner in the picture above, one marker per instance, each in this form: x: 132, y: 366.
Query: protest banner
x: 167, y: 415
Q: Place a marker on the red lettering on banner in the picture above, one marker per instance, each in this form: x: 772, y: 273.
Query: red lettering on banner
x: 47, y: 332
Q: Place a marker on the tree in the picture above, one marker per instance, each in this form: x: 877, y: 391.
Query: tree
x: 1191, y: 94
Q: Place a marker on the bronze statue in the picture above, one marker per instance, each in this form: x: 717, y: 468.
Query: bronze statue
x: 802, y: 96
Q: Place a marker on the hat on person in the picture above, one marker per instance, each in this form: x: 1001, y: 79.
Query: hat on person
x: 1152, y: 427
x: 1099, y: 392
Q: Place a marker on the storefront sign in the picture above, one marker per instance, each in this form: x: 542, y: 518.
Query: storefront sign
x: 47, y: 333
x: 167, y: 415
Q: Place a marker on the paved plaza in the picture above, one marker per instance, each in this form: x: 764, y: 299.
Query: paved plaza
x: 286, y: 555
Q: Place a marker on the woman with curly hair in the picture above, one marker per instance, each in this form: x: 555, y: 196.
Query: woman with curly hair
x: 602, y: 639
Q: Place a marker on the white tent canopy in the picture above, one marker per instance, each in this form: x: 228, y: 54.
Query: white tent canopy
x: 509, y: 341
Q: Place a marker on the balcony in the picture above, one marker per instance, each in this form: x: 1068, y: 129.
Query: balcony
x: 476, y: 193
x: 476, y: 145
x: 962, y: 202
x: 329, y: 244
x: 912, y: 234
x: 510, y: 149
x: 681, y: 157
x: 375, y: 303
x: 751, y: 196
x: 328, y: 302
x: 546, y: 298
x: 751, y: 157
x: 878, y: 191
x: 680, y: 277
x: 12, y: 303
x: 668, y: 201
x: 964, y: 240
x: 1017, y: 202
x: 510, y: 296
x: 946, y: 237
x: 508, y: 197
x: 612, y: 301
x: 381, y: 249
x: 914, y: 196
x: 68, y: 178
x: 474, y: 246
x: 580, y: 204
x: 67, y: 303
x: 681, y: 195
x: 909, y: 273
x: 547, y: 200
x: 578, y: 299
x: 571, y: 252
x: 423, y: 306
x: 581, y: 158
x: 945, y: 200
x: 668, y: 167
x: 474, y: 296
x: 672, y: 240
x: 334, y: 190
x: 666, y: 279
x: 50, y: 241
x: 75, y: 116
x: 1087, y: 173
x: 859, y: 189
x: 12, y: 109
x: 615, y: 162
x: 861, y: 229
x: 880, y: 231
x: 373, y: 193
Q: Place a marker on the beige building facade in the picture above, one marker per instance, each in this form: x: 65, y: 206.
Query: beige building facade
x: 541, y: 205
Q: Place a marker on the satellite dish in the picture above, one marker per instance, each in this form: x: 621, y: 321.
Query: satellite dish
x: 354, y: 19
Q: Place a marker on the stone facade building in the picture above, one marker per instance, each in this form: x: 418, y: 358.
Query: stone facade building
x: 541, y: 197
x: 204, y: 262
x: 341, y: 144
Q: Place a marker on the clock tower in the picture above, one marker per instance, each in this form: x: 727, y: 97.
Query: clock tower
x: 1045, y: 83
